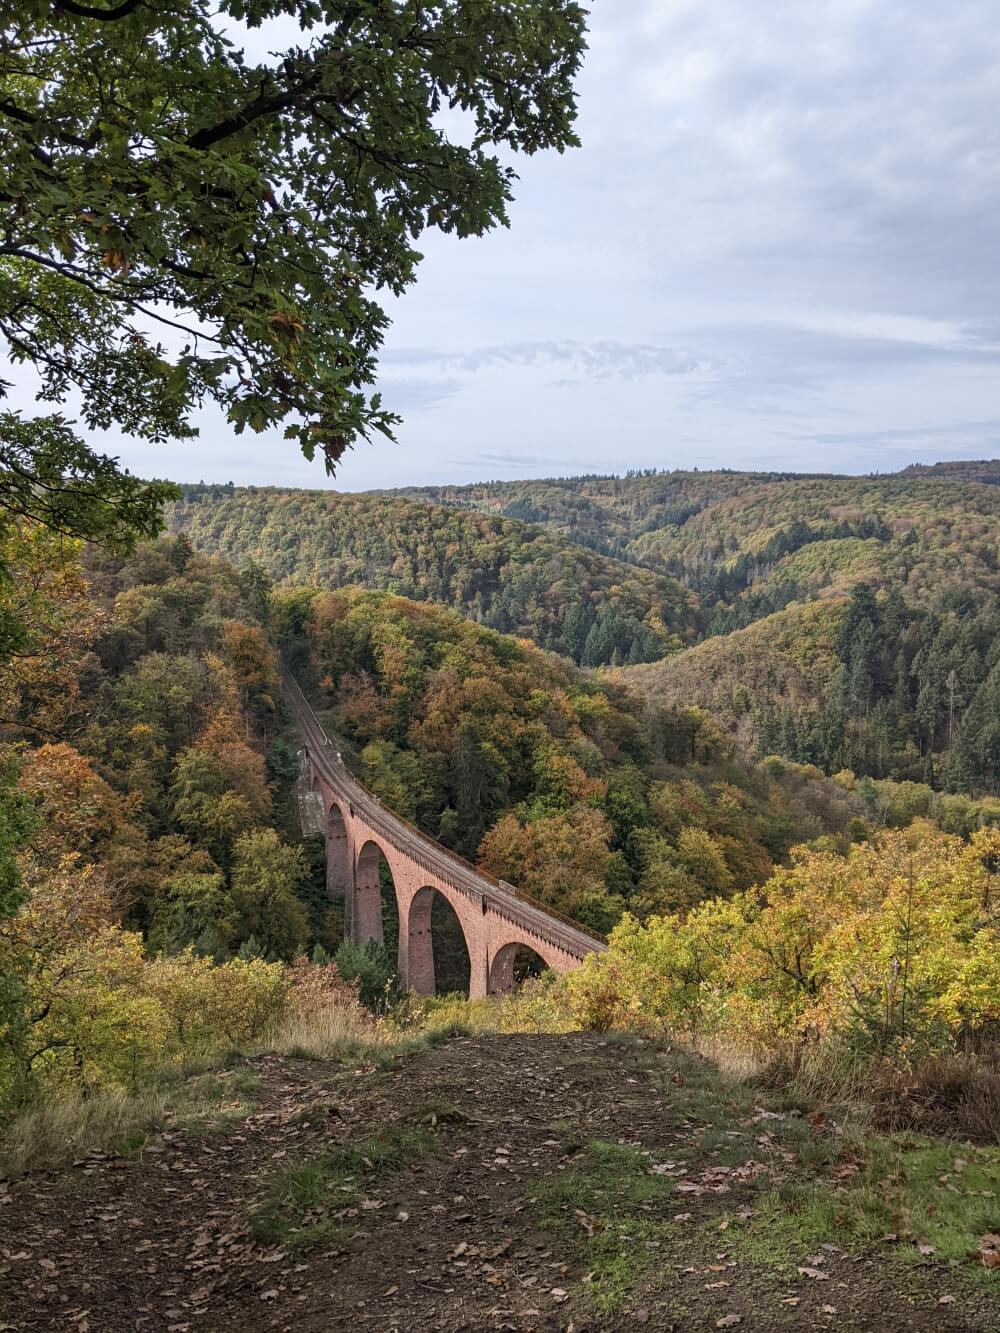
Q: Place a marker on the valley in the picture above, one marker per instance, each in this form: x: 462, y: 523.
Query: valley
x: 265, y: 1057
x: 548, y: 904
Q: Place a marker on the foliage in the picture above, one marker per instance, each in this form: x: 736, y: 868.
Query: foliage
x: 546, y: 775
x: 498, y: 572
x: 17, y: 822
x: 892, y: 947
x: 265, y: 878
x: 158, y: 868
x: 371, y: 968
x: 850, y: 622
x: 47, y: 625
x: 162, y: 178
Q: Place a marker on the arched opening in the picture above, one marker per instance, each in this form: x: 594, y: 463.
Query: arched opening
x: 376, y: 914
x: 512, y: 965
x: 339, y: 878
x: 437, y: 954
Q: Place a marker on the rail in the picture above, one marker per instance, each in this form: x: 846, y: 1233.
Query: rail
x: 520, y: 908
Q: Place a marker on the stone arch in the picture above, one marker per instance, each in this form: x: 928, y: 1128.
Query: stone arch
x: 339, y: 867
x: 511, y: 964
x: 367, y: 914
x: 420, y: 967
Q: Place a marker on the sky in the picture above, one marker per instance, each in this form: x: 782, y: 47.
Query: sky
x: 777, y: 248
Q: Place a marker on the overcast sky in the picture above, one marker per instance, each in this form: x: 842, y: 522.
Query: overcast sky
x: 776, y: 248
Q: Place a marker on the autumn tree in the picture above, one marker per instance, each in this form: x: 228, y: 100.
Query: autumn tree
x: 18, y: 818
x: 47, y: 626
x: 215, y: 802
x: 266, y: 876
x: 560, y: 859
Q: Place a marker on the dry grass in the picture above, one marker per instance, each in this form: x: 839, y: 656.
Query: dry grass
x: 57, y: 1132
x: 741, y: 1064
x: 949, y: 1095
x: 537, y: 1006
x: 335, y: 1032
x: 955, y: 1095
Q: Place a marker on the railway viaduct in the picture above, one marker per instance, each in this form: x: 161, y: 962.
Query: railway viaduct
x: 496, y: 920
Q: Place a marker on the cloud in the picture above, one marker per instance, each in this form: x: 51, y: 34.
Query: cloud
x: 514, y: 460
x: 576, y: 359
x: 417, y: 395
x: 777, y: 246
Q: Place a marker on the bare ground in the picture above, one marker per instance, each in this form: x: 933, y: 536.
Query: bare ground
x: 479, y: 1233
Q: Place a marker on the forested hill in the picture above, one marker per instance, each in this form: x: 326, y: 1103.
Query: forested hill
x: 986, y: 470
x: 606, y: 513
x: 784, y: 535
x: 849, y: 622
x: 507, y: 575
x: 924, y: 536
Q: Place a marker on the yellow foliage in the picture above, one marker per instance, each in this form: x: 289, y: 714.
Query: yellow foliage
x: 894, y: 945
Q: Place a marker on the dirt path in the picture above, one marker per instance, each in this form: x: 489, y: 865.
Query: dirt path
x: 562, y: 1183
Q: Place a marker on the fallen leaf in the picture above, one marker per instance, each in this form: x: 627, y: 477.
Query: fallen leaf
x: 817, y: 1274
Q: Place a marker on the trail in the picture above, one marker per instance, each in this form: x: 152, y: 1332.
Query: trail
x: 483, y: 1232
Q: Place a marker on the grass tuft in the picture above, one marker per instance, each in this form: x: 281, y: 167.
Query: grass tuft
x: 346, y: 1033
x: 604, y: 1202
x: 50, y: 1134
x: 55, y: 1133
x: 306, y: 1205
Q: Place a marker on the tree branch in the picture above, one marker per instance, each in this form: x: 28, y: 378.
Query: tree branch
x: 261, y: 106
x: 103, y: 15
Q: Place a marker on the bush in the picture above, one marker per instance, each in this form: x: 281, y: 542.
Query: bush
x: 208, y: 1006
x: 892, y: 948
x: 372, y: 968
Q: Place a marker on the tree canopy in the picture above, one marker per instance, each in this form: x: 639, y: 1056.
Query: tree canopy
x: 186, y: 220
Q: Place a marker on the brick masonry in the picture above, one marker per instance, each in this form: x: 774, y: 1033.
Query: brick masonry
x: 492, y: 939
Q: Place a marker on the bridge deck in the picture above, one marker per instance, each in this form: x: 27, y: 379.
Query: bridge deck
x: 470, y: 880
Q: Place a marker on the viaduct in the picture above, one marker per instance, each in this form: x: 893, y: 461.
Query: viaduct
x: 496, y: 920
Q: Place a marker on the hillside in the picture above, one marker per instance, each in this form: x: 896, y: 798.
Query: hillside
x: 783, y: 662
x: 556, y: 780
x: 702, y: 555
x: 505, y: 574
x: 607, y: 513
x: 761, y: 539
x: 985, y: 470
x: 747, y: 544
x: 924, y: 537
